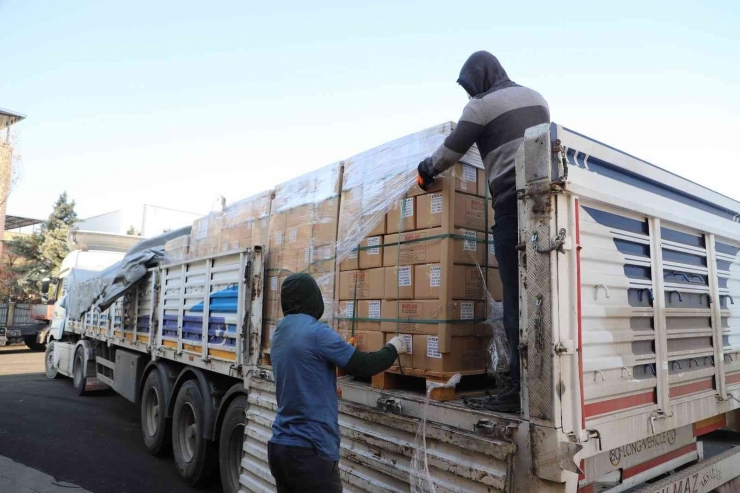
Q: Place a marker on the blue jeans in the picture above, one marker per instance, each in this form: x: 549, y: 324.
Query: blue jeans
x: 505, y: 239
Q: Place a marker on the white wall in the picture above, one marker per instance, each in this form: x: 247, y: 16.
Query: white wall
x: 148, y: 220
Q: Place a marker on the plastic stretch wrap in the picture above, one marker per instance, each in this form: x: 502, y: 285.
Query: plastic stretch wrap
x: 176, y: 250
x: 205, y: 236
x: 432, y: 251
x: 102, y: 290
x: 245, y: 223
x: 420, y: 479
x: 303, y: 234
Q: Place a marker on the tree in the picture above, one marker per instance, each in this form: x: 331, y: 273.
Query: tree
x: 132, y: 231
x: 42, y: 252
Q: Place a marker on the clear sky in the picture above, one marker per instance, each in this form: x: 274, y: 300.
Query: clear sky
x: 174, y: 102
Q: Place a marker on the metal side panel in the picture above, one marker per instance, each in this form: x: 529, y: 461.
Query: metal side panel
x: 377, y: 448
x: 657, y: 275
x: 204, y: 311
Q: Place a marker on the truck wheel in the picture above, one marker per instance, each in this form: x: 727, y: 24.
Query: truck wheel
x: 78, y: 372
x: 195, y: 455
x: 51, y: 369
x: 154, y: 425
x: 33, y: 345
x: 231, y: 443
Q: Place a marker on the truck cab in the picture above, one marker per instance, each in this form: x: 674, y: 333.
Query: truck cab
x: 90, y: 253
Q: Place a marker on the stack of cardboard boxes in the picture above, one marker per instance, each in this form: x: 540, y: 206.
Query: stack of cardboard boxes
x: 419, y: 270
x: 303, y: 236
x: 240, y: 225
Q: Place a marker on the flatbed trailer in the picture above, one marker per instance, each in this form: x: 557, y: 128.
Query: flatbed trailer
x: 180, y: 342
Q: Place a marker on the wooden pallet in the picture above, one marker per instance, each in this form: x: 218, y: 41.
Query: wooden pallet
x: 392, y: 379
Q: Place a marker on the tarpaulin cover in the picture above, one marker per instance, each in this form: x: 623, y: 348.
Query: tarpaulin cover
x: 104, y: 288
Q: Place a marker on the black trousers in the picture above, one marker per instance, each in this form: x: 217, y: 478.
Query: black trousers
x: 505, y: 238
x: 301, y: 470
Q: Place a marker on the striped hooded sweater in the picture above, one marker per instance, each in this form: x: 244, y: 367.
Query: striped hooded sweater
x: 495, y: 119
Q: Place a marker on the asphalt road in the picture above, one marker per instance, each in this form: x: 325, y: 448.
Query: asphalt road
x: 93, y: 441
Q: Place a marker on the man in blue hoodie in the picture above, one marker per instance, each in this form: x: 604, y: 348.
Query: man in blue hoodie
x: 304, y: 449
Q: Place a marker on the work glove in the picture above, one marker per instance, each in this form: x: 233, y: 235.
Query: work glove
x: 424, y: 176
x: 399, y: 344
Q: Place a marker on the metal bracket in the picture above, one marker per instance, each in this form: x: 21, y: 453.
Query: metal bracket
x: 565, y: 346
x: 489, y: 428
x: 556, y: 244
x: 389, y: 405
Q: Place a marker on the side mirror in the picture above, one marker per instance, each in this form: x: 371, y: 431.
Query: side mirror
x: 45, y: 285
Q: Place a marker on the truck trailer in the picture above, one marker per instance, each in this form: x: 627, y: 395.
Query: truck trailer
x: 630, y: 346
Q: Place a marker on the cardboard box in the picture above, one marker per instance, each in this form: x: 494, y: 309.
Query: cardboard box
x: 431, y: 207
x: 415, y: 252
x: 379, y: 228
x: 369, y: 257
x: 268, y: 331
x: 273, y: 310
x: 466, y: 354
x: 323, y: 259
x: 466, y: 282
x: 433, y: 310
x: 273, y: 284
x: 464, y: 177
x: 369, y: 341
x: 409, y: 310
x: 365, y: 309
x: 406, y: 359
x: 351, y: 261
x: 371, y: 253
x: 399, y: 282
x: 403, y: 215
x: 362, y: 285
x: 205, y: 235
x: 260, y: 233
x: 429, y: 282
x: 300, y: 215
x: 470, y: 212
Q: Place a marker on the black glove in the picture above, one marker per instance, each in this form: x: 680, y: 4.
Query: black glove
x: 424, y: 177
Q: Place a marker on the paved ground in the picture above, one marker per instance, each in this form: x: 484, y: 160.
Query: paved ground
x: 94, y: 442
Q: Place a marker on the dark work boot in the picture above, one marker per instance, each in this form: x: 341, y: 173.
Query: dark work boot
x: 505, y: 402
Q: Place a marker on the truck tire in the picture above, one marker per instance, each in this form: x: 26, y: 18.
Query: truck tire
x: 51, y: 369
x: 195, y: 455
x: 154, y: 424
x: 78, y: 372
x: 231, y: 443
x: 33, y: 345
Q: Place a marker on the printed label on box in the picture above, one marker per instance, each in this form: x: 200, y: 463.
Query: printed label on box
x: 202, y: 229
x: 406, y: 338
x: 467, y: 311
x: 374, y: 309
x: 433, y: 347
x: 373, y: 242
x: 407, y: 208
x: 491, y: 247
x: 469, y: 246
x: 279, y: 237
x: 436, y: 203
x: 273, y: 284
x: 435, y: 276
x: 349, y: 310
x: 273, y: 328
x: 324, y: 252
x: 353, y: 253
x: 404, y: 276
x: 307, y: 255
x: 469, y: 173
x: 292, y: 235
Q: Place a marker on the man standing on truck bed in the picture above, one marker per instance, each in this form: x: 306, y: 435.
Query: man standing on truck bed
x: 495, y: 118
x: 303, y: 452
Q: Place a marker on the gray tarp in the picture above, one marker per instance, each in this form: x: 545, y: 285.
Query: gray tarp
x: 102, y: 290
